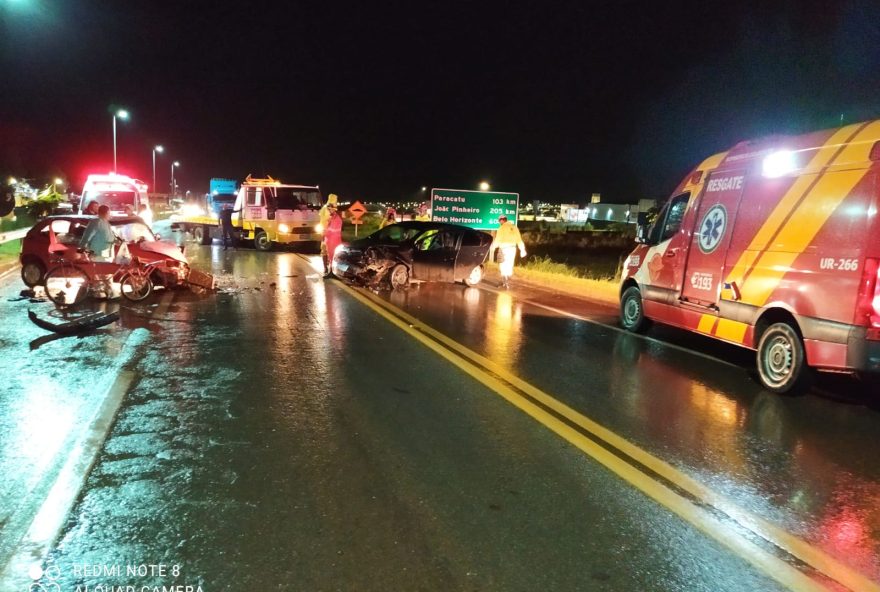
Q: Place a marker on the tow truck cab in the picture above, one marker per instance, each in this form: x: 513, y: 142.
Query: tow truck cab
x: 773, y: 245
x: 271, y: 212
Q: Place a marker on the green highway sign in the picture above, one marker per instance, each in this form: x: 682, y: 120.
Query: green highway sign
x: 474, y: 209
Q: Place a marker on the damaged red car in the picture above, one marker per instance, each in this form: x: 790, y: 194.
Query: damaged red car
x: 68, y: 230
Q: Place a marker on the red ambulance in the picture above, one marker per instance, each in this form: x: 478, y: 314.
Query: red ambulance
x: 773, y: 245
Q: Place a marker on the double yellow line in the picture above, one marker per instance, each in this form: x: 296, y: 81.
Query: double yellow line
x: 780, y: 555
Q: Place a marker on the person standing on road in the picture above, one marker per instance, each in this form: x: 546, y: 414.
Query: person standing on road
x: 226, y: 225
x: 324, y: 219
x: 99, y: 236
x: 507, y: 239
x: 422, y: 214
x: 332, y: 238
x: 389, y: 219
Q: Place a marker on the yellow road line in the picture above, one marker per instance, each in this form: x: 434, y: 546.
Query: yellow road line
x: 495, y: 376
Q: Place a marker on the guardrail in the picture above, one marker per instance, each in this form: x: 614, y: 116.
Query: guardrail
x: 11, y: 235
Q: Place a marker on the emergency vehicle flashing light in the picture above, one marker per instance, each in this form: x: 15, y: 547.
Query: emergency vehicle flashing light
x: 778, y: 164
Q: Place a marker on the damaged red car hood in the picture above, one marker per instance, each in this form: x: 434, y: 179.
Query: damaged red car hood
x: 166, y: 248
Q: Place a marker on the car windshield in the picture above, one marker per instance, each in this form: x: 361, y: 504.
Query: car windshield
x: 134, y: 232
x: 396, y: 233
x: 111, y: 198
x: 292, y: 198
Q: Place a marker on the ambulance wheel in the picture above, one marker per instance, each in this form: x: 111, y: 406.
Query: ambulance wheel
x: 632, y: 312
x: 261, y: 241
x: 782, y: 362
x: 399, y: 277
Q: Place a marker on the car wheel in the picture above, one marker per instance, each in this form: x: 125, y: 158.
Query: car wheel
x: 782, y: 362
x: 475, y: 277
x: 32, y: 273
x: 66, y: 285
x: 399, y: 277
x: 261, y: 241
x: 632, y: 311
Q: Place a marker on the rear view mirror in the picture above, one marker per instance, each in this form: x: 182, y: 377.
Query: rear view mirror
x: 642, y: 218
x: 642, y: 227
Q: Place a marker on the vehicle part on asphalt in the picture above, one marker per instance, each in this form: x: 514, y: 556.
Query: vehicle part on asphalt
x: 80, y: 325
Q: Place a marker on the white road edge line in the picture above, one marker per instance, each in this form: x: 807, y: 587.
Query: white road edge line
x: 50, y: 519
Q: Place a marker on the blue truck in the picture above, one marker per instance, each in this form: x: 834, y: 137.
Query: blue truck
x: 221, y: 192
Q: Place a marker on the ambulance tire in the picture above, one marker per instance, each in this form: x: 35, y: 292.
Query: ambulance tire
x: 632, y: 311
x: 261, y: 241
x: 782, y: 361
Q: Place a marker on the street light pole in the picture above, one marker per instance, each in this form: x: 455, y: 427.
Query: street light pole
x: 173, y: 164
x: 156, y: 149
x: 121, y: 114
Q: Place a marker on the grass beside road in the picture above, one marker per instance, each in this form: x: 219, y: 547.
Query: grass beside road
x: 558, y: 277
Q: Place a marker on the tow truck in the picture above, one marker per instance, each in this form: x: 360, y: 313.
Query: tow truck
x: 267, y: 212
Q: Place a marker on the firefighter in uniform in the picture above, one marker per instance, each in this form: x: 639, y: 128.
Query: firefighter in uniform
x: 508, y: 240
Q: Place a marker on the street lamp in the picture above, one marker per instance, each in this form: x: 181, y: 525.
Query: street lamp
x: 123, y: 115
x: 160, y: 150
x: 173, y: 165
x: 484, y: 186
x: 424, y: 188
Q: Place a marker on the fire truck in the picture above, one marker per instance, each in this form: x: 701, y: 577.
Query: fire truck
x: 265, y: 211
x: 773, y: 245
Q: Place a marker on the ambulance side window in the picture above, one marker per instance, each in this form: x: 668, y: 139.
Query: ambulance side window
x: 669, y: 220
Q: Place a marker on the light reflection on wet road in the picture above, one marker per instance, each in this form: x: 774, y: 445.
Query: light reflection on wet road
x: 282, y: 436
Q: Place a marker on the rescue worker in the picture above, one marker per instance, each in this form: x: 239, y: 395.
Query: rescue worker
x: 422, y: 213
x: 99, y: 236
x: 226, y: 225
x: 332, y: 237
x: 389, y: 219
x: 324, y: 220
x: 507, y: 239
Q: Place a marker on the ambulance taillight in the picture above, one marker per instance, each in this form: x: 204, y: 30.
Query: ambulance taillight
x: 869, y: 296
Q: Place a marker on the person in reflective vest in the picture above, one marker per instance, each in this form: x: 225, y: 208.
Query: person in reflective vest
x: 324, y: 220
x: 332, y: 238
x: 507, y: 240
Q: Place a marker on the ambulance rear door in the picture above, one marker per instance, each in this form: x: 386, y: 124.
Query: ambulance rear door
x: 710, y: 238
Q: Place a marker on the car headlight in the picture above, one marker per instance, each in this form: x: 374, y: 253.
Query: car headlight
x: 283, y: 228
x: 339, y: 249
x: 319, y: 228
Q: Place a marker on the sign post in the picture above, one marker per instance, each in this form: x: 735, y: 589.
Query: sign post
x: 475, y: 209
x: 357, y: 210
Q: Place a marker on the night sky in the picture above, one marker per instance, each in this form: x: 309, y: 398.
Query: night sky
x: 555, y: 100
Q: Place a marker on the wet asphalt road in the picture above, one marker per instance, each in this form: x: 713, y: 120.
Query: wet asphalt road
x: 280, y: 435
